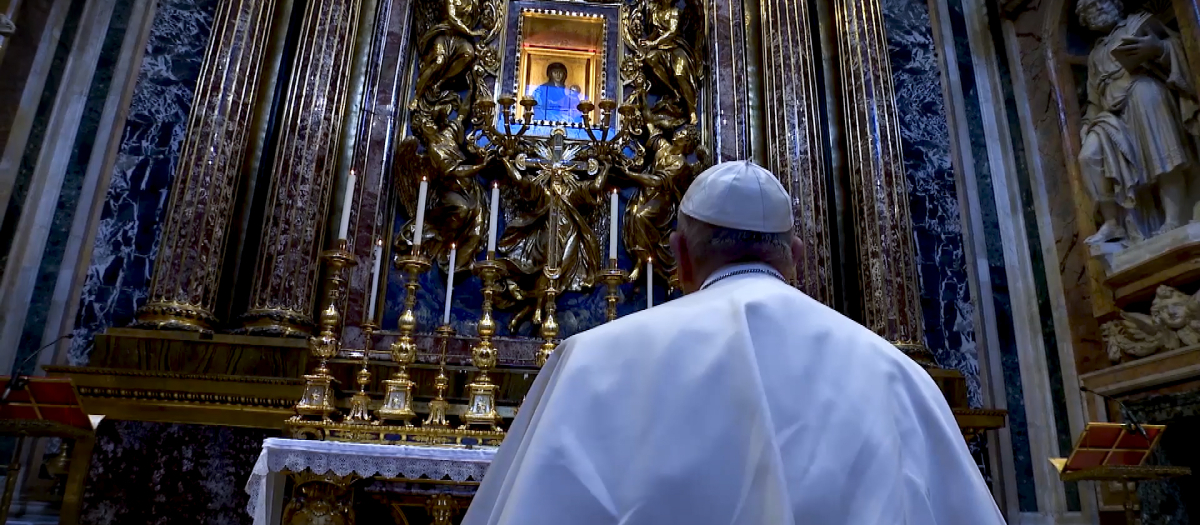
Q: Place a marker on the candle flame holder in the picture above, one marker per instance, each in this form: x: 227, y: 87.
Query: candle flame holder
x: 397, y: 400
x: 360, y: 403
x: 482, y: 407
x: 613, y: 278
x: 439, y: 405
x: 501, y: 136
x: 316, y: 402
x: 608, y: 148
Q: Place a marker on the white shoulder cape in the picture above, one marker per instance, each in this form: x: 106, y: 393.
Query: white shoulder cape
x: 746, y: 403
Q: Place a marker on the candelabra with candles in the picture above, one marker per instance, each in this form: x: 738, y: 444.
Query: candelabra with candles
x: 316, y: 402
x: 397, y: 399
x: 613, y: 276
x: 481, y: 409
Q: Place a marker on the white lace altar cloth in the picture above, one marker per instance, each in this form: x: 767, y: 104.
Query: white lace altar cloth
x: 265, y: 486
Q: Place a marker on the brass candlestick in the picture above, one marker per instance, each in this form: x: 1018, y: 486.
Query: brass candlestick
x: 360, y: 404
x: 549, y: 326
x: 437, y: 407
x: 397, y: 400
x: 482, y: 407
x: 613, y: 277
x: 316, y: 401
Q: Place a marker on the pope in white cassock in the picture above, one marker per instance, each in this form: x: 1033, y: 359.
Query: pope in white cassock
x: 744, y: 402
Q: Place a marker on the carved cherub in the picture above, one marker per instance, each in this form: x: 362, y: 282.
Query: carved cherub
x: 1178, y: 312
x: 1136, y: 335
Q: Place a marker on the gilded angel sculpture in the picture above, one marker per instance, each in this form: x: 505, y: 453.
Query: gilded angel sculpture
x: 447, y: 51
x: 650, y: 214
x: 552, y: 228
x: 672, y: 60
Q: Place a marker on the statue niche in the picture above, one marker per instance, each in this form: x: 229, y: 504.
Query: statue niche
x: 554, y: 165
x: 1139, y: 129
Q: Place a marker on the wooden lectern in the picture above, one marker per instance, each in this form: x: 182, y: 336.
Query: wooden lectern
x: 48, y: 407
x: 1117, y: 452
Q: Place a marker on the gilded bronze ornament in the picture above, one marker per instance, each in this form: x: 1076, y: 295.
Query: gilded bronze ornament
x: 316, y: 402
x: 481, y: 409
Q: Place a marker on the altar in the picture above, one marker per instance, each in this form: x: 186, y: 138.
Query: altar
x: 323, y: 476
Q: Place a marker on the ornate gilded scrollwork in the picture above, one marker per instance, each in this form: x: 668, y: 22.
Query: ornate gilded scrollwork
x: 320, y: 499
x: 553, y: 187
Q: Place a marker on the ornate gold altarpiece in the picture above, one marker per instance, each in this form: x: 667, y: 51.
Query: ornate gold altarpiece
x: 418, y: 109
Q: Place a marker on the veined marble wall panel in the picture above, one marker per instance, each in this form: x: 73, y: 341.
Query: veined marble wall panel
x: 945, y: 295
x: 72, y: 187
x: 127, y: 236
x: 159, y: 474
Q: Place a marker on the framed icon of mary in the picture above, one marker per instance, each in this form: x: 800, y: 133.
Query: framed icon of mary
x: 560, y: 55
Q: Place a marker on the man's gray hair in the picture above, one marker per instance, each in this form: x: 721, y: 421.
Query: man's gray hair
x: 728, y: 246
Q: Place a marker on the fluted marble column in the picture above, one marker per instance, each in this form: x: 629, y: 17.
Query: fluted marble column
x: 302, y: 176
x: 794, y: 151
x: 878, y: 190
x: 187, y: 271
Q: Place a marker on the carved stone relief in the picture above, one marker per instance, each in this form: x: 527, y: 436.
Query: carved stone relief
x: 1173, y: 322
x: 1138, y: 155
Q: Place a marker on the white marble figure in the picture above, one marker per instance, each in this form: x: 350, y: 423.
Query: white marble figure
x: 1173, y: 322
x: 1138, y: 131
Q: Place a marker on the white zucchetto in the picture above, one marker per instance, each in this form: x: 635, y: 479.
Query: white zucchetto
x: 739, y: 195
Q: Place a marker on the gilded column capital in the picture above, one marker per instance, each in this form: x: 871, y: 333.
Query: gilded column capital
x: 878, y: 190
x: 302, y: 176
x: 187, y: 270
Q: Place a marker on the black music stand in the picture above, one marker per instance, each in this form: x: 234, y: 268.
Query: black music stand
x: 48, y: 407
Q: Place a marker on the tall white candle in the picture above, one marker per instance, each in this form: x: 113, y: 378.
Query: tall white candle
x: 417, y: 233
x: 649, y: 282
x: 449, y: 284
x: 377, y: 254
x: 493, y: 219
x: 347, y: 202
x: 612, y: 227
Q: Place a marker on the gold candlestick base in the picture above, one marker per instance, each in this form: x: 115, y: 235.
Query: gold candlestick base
x: 613, y: 278
x: 437, y: 407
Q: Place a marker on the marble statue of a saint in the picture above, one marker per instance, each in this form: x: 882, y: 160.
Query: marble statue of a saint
x: 1138, y: 153
x: 556, y: 102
